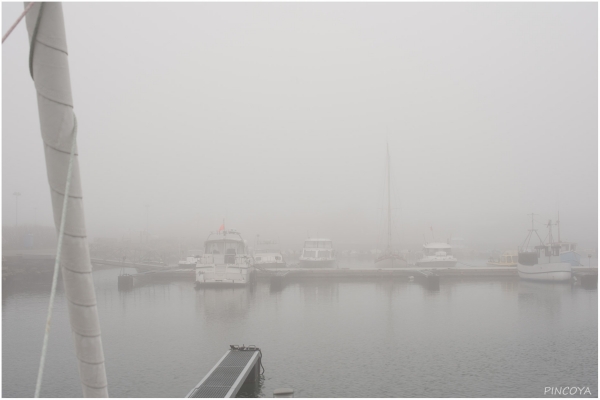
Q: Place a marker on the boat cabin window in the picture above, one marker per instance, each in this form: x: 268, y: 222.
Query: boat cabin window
x: 317, y: 244
x: 567, y: 247
x: 224, y: 247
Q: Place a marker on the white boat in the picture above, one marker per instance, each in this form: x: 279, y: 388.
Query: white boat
x: 437, y: 255
x: 317, y: 253
x: 508, y: 259
x: 542, y: 262
x: 225, y: 261
x: 268, y: 255
x: 389, y: 258
x: 189, y: 262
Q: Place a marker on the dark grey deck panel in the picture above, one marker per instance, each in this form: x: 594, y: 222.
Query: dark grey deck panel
x: 225, y: 379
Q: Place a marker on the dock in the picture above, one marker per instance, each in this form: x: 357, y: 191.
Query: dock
x: 588, y: 277
x: 239, y: 365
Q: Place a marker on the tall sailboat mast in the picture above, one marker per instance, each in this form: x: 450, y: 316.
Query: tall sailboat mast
x: 389, y: 241
x: 49, y: 68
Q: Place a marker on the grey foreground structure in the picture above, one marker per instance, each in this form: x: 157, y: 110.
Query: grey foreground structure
x: 237, y: 366
x: 49, y: 68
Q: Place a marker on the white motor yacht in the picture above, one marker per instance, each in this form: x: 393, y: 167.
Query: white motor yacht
x: 225, y: 260
x: 268, y: 255
x: 317, y: 253
x: 437, y: 255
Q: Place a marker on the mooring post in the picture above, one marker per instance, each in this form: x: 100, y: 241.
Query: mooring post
x: 283, y: 392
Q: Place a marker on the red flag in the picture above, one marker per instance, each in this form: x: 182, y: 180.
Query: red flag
x: 221, y: 228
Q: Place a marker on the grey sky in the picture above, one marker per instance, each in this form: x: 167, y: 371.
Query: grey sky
x: 275, y: 117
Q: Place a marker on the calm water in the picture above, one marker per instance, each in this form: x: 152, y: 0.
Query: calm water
x: 324, y: 339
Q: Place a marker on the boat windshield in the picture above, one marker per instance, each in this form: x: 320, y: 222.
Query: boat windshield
x: 432, y: 252
x: 224, y: 247
x: 318, y: 244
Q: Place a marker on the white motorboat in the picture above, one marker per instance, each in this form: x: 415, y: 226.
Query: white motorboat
x: 189, y: 262
x: 268, y: 255
x: 437, y: 255
x: 317, y: 253
x: 542, y: 262
x: 226, y: 260
x: 389, y: 258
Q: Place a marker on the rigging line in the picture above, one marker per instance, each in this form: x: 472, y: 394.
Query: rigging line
x: 33, y: 39
x: 63, y: 218
x: 17, y: 21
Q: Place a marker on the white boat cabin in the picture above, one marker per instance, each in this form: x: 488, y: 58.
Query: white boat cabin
x: 318, y: 248
x: 223, y: 247
x: 437, y: 249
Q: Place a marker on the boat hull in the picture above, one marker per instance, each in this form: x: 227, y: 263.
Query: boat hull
x: 270, y: 265
x: 317, y: 263
x: 227, y: 278
x: 550, y: 272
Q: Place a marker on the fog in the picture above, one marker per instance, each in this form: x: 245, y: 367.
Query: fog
x: 275, y: 118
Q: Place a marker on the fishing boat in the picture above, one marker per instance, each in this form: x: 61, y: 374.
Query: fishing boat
x: 508, y: 259
x: 437, y: 255
x: 268, y: 255
x: 542, y: 262
x: 225, y: 261
x: 317, y: 253
x: 389, y: 258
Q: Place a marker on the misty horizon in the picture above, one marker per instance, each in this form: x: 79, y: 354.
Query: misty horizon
x: 275, y: 118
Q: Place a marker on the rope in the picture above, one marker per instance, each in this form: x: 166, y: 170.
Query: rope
x: 34, y: 39
x: 17, y: 22
x: 56, y: 262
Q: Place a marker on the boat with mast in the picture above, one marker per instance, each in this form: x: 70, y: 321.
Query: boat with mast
x: 389, y: 258
x: 542, y: 262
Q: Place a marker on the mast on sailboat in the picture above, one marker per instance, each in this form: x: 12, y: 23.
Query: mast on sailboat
x: 389, y: 232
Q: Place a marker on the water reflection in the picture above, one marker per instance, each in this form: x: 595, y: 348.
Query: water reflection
x: 318, y: 291
x: 227, y: 304
x: 542, y: 296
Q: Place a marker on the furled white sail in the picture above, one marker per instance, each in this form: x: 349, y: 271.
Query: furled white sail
x: 50, y: 71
